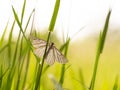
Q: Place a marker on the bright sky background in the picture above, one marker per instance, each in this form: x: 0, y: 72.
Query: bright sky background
x: 73, y: 14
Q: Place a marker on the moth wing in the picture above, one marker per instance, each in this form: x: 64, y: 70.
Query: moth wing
x: 39, y: 46
x: 50, y: 58
x: 37, y: 43
x: 39, y: 51
x: 59, y: 57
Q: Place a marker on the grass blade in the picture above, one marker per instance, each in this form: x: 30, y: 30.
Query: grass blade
x: 26, y: 69
x: 54, y: 16
x: 63, y: 66
x: 10, y: 42
x: 23, y: 10
x: 51, y: 27
x: 82, y: 79
x: 4, y: 47
x: 3, y: 35
x: 101, y: 42
x: 104, y: 33
x: 115, y: 87
x: 19, y: 24
x: 20, y: 62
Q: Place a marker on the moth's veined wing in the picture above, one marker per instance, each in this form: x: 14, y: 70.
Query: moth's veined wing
x: 39, y: 46
x: 50, y: 58
x: 37, y: 43
x: 52, y: 55
x: 39, y: 51
x: 59, y: 57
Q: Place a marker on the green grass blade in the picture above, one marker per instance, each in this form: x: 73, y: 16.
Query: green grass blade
x: 9, y: 42
x: 19, y: 23
x: 82, y: 79
x: 104, y: 33
x: 40, y: 66
x: 115, y: 87
x: 61, y: 80
x: 100, y: 49
x: 21, y: 44
x: 54, y: 16
x: 22, y: 52
x: 1, y: 76
x: 12, y: 71
x: 23, y: 10
x: 3, y: 35
x: 3, y: 48
x: 51, y: 28
x: 26, y: 69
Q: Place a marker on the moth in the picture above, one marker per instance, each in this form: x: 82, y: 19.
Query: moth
x: 52, y: 53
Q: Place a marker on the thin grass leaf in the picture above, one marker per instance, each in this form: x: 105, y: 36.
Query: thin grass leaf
x: 23, y: 10
x: 82, y: 79
x: 35, y: 76
x: 26, y: 69
x: 101, y: 42
x: 21, y: 44
x: 12, y: 70
x: 83, y: 85
x: 20, y: 56
x: 104, y: 33
x: 61, y: 80
x: 46, y: 68
x: 1, y: 76
x: 10, y: 41
x: 32, y: 26
x: 40, y: 66
x: 3, y: 35
x: 51, y: 27
x: 22, y: 52
x: 54, y: 16
x: 10, y: 78
x: 115, y: 87
x: 28, y: 21
x: 3, y: 48
x: 37, y: 83
x: 19, y: 24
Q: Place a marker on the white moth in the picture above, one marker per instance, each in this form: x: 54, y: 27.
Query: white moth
x: 52, y: 54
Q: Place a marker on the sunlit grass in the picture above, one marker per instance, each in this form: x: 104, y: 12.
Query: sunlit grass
x: 20, y: 68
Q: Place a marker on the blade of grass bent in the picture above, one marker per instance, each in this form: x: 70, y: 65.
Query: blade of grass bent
x: 21, y: 53
x: 12, y: 71
x: 19, y: 24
